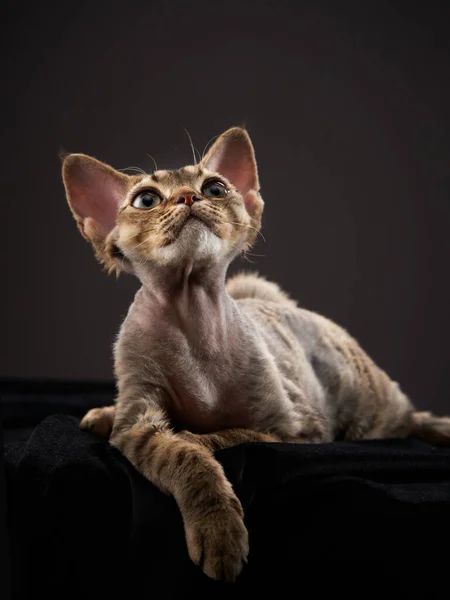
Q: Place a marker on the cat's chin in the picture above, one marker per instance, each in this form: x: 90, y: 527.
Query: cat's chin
x: 195, y: 243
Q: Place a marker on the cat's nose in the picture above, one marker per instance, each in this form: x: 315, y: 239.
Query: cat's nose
x: 187, y: 198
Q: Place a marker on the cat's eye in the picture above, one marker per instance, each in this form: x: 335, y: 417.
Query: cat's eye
x: 214, y: 189
x: 146, y: 200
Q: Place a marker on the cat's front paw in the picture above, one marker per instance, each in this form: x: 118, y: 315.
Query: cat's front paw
x: 218, y: 541
x: 99, y: 421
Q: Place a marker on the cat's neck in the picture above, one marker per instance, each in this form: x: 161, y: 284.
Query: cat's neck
x: 184, y: 280
x: 192, y: 299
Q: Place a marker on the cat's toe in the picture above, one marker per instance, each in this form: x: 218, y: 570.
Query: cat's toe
x: 96, y: 422
x: 219, y: 544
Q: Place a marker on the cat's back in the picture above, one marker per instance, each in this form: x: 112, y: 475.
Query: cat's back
x: 295, y: 337
x: 258, y: 296
x: 286, y: 328
x: 247, y: 286
x: 292, y: 331
x: 265, y: 301
x: 358, y: 396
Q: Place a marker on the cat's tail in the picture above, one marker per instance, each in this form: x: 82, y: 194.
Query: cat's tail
x: 432, y: 429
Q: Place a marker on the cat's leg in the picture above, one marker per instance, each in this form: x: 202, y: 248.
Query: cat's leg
x: 99, y: 421
x: 216, y: 536
x: 227, y: 438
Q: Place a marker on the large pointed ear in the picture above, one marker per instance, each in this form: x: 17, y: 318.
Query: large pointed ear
x: 232, y: 156
x: 94, y: 192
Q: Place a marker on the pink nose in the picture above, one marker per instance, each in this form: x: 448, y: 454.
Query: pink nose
x: 187, y: 198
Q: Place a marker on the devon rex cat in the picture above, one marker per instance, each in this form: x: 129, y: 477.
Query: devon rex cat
x: 202, y: 363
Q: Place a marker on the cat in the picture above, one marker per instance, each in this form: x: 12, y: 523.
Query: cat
x: 203, y: 363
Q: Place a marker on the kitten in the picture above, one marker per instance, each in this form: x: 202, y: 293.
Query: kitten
x: 203, y: 364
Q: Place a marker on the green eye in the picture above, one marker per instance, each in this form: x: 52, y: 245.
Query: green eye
x: 146, y: 200
x: 214, y: 189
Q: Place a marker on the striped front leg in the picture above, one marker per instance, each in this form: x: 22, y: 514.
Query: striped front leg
x: 216, y: 536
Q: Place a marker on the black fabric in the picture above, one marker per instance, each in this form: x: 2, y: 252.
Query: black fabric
x: 326, y: 520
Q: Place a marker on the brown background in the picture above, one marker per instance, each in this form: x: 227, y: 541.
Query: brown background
x: 348, y: 108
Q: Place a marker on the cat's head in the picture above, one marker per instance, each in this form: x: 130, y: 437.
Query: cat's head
x: 206, y: 212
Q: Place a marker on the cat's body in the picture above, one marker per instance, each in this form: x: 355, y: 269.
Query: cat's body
x: 257, y: 362
x: 202, y: 363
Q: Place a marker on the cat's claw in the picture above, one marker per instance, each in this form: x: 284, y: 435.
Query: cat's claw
x: 218, y: 543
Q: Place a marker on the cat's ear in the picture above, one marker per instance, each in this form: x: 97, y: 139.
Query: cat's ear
x: 94, y: 192
x: 232, y: 156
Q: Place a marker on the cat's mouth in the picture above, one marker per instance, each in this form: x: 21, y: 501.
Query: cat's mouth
x: 192, y: 218
x: 191, y: 223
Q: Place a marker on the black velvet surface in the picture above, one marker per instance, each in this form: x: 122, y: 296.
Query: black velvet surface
x: 350, y: 519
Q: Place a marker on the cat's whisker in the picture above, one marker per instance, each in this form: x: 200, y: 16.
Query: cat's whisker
x: 139, y: 233
x: 219, y: 211
x: 193, y: 148
x: 144, y: 242
x: 248, y: 227
x: 147, y: 239
x: 245, y: 257
x: 154, y: 161
x: 142, y: 261
x: 207, y: 144
x: 136, y: 169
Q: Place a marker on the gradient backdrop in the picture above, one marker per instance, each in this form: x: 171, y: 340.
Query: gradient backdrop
x: 348, y: 108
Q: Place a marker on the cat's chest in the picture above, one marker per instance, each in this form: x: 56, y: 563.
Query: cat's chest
x: 206, y: 385
x: 211, y: 370
x: 208, y: 407
x: 206, y: 390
